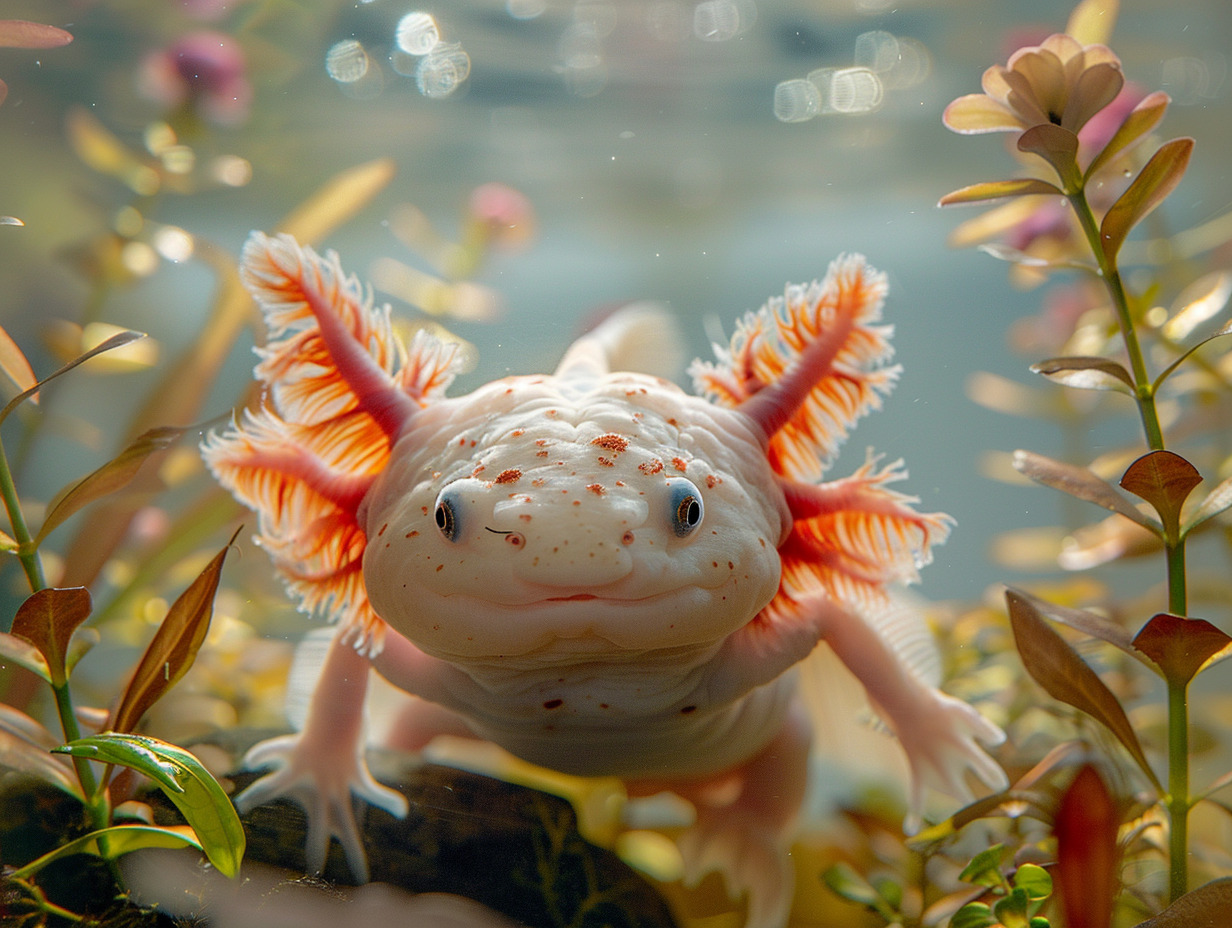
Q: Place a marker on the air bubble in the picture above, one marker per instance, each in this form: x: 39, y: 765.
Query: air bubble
x: 442, y: 71
x: 796, y: 101
x: 417, y: 33
x: 716, y: 20
x: 847, y: 90
x: 346, y: 61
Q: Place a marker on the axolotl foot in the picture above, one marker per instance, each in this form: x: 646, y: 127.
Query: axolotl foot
x: 323, y: 784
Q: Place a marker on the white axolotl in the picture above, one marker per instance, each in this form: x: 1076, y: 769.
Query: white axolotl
x: 593, y: 569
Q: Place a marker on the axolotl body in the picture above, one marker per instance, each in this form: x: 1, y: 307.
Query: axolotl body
x: 595, y: 570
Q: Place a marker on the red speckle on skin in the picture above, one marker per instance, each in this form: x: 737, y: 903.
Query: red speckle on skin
x: 650, y: 467
x: 479, y: 469
x: 553, y: 704
x: 412, y: 533
x: 612, y: 442
x: 712, y: 481
x: 596, y: 488
x: 604, y: 462
x: 516, y: 433
x: 626, y: 538
x: 687, y: 709
x: 424, y: 510
x: 541, y: 454
x: 680, y: 464
x: 381, y: 531
x: 541, y: 442
x: 512, y: 475
x: 538, y: 482
x: 620, y: 483
x: 439, y: 568
x: 550, y: 413
x: 577, y: 502
x: 525, y: 516
x: 672, y: 422
x: 731, y: 566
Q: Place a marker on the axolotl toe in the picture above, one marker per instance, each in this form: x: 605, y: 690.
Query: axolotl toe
x: 595, y: 570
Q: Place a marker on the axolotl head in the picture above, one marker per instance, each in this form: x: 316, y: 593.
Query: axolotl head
x: 534, y: 515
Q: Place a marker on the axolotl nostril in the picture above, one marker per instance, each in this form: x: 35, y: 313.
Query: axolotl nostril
x: 596, y: 570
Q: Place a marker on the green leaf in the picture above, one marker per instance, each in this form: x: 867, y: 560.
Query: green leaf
x: 1154, y: 182
x: 113, y: 842
x: 845, y: 882
x: 47, y: 619
x: 1057, y: 146
x: 1142, y: 119
x: 24, y: 654
x: 972, y: 915
x: 998, y: 189
x: 1064, y: 675
x: 1167, y: 372
x: 116, y: 341
x: 185, y: 782
x: 1081, y: 483
x: 1087, y: 373
x: 1164, y: 479
x: 1182, y: 648
x: 111, y: 477
x: 1205, y: 906
x: 174, y: 647
x: 1034, y: 881
x: 985, y: 867
x: 1011, y: 911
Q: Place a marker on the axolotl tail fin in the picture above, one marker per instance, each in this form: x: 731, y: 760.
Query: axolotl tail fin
x: 338, y: 387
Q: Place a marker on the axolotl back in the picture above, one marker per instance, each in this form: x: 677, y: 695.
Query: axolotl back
x: 594, y: 569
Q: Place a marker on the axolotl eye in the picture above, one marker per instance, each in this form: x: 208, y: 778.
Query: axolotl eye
x: 446, y: 514
x: 686, y: 506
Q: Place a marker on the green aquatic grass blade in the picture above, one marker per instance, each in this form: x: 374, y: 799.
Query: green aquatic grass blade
x: 110, y: 843
x: 179, y: 774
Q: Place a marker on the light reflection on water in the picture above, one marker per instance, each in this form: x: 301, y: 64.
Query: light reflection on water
x: 665, y: 161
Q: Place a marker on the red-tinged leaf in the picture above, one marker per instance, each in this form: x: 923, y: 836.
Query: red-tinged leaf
x: 1164, y: 479
x: 1086, y: 871
x: 1083, y: 620
x: 1065, y: 676
x: 34, y: 760
x: 1182, y: 648
x: 1057, y: 146
x: 1154, y: 182
x: 111, y: 477
x: 14, y: 363
x: 1079, y: 482
x: 47, y: 619
x: 998, y: 189
x: 1087, y: 373
x: 1205, y: 907
x: 24, y: 654
x: 173, y: 649
x: 123, y: 338
x: 1142, y: 119
x: 17, y: 33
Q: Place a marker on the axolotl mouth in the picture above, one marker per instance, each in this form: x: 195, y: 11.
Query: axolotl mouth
x: 575, y: 598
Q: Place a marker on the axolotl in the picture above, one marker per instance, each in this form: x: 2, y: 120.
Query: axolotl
x: 596, y: 570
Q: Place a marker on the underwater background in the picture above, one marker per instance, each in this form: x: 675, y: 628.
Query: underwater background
x: 646, y: 138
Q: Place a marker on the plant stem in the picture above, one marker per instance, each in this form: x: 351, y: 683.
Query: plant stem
x: 1178, y: 788
x: 1144, y: 391
x: 28, y: 556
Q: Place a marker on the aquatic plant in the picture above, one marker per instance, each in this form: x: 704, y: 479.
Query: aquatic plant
x: 1046, y: 95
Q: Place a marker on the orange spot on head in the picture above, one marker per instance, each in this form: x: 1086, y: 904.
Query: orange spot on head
x: 713, y: 481
x: 650, y: 467
x: 412, y: 533
x: 516, y: 433
x: 596, y: 488
x: 525, y: 516
x: 612, y: 442
x: 604, y: 462
x: 541, y: 454
x: 511, y: 475
x: 680, y: 464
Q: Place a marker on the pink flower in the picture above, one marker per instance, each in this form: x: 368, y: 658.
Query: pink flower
x: 203, y: 70
x: 1059, y: 82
